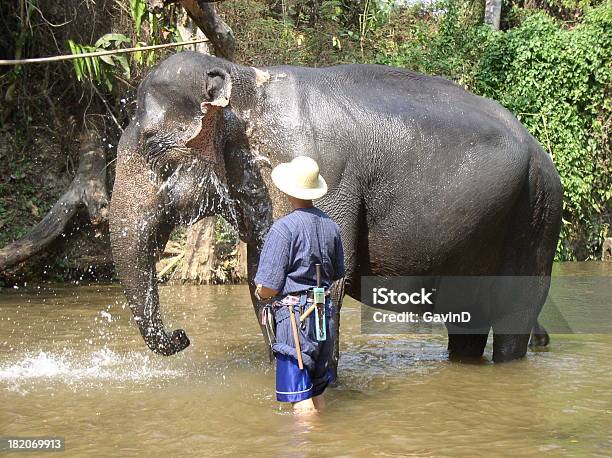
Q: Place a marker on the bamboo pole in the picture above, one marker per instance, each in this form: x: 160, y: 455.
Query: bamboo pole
x: 43, y: 60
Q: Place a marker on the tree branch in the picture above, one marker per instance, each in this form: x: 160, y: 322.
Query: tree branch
x: 214, y: 27
x: 88, y: 189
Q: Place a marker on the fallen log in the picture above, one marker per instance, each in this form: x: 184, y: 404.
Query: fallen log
x: 88, y: 189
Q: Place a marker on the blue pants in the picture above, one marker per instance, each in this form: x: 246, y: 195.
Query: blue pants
x: 293, y: 384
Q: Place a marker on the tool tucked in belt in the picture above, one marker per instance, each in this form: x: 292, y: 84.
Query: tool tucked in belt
x: 314, y: 296
x: 267, y: 318
x: 291, y: 299
x: 267, y: 321
x: 318, y: 306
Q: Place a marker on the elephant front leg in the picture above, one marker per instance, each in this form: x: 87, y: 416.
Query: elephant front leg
x: 337, y: 295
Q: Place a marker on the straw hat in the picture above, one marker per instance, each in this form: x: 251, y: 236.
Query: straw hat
x: 300, y: 178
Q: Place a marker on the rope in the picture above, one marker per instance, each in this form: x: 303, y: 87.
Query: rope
x: 42, y: 60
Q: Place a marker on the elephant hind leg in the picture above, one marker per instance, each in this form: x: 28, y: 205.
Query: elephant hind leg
x: 508, y: 347
x: 516, y: 307
x: 466, y: 346
x: 337, y: 296
x: 529, y: 250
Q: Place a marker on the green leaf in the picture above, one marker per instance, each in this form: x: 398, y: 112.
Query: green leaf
x: 76, y: 63
x: 124, y: 65
x: 108, y: 60
x: 138, y: 9
x: 95, y: 63
x: 87, y: 67
x: 138, y: 55
x: 116, y: 38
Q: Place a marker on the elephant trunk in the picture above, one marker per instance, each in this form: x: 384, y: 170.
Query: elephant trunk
x: 135, y: 219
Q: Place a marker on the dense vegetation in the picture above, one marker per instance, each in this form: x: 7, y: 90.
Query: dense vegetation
x: 550, y: 65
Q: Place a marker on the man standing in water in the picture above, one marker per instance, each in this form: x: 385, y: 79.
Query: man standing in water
x: 294, y: 245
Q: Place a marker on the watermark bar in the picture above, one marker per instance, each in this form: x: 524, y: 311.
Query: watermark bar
x: 31, y: 444
x: 471, y: 305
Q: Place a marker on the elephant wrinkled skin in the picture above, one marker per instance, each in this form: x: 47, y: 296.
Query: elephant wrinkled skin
x: 424, y: 179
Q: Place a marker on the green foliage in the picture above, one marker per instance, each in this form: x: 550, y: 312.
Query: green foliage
x: 444, y: 38
x: 106, y: 70
x: 101, y: 69
x: 555, y: 81
x: 225, y: 233
x: 138, y: 9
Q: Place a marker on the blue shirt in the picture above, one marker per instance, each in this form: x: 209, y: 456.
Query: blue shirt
x: 294, y: 244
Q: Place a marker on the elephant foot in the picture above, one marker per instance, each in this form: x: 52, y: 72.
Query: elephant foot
x: 539, y: 337
x: 466, y: 347
x: 508, y: 347
x: 166, y: 344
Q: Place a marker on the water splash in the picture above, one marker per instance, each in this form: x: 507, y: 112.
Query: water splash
x: 72, y: 368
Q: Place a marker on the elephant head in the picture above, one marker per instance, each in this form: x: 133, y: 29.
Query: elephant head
x: 170, y: 170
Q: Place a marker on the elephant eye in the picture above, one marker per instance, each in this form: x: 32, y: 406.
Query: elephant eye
x: 158, y: 145
x: 148, y: 133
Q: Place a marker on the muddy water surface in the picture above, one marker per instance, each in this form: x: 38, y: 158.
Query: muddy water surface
x: 73, y: 365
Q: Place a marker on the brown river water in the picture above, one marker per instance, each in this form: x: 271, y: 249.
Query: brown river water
x: 73, y: 365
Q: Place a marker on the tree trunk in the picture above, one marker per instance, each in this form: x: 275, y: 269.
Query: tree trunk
x: 200, y: 259
x: 492, y: 14
x: 240, y: 271
x: 88, y: 189
x: 216, y: 30
x: 190, y: 31
x: 204, y: 15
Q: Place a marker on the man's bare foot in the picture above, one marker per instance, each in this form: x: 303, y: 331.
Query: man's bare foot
x: 319, y: 402
x: 305, y: 407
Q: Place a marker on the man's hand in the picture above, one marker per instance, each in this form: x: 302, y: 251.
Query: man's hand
x: 262, y: 292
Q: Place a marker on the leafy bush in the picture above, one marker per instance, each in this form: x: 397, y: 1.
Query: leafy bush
x: 100, y: 69
x: 555, y: 80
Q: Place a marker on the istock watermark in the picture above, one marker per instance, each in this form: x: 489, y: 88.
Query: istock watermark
x: 470, y: 305
x: 426, y: 317
x: 384, y: 296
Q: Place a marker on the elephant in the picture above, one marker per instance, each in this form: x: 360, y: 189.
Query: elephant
x: 424, y: 178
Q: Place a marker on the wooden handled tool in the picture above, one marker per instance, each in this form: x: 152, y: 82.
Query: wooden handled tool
x: 308, y: 311
x: 311, y: 309
x: 296, y: 337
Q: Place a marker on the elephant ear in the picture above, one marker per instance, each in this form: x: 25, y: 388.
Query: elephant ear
x: 205, y: 141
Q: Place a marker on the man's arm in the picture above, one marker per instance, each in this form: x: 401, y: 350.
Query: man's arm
x: 263, y: 292
x: 273, y: 264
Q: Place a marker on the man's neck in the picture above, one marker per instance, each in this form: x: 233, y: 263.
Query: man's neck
x: 300, y: 203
